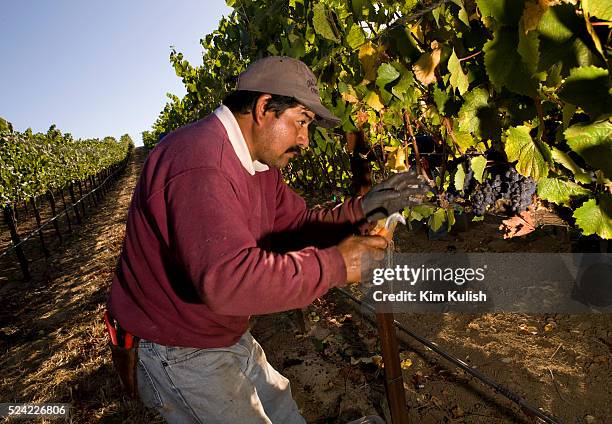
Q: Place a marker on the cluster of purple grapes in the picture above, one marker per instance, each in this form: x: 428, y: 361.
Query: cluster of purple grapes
x: 510, y: 185
x: 468, y: 182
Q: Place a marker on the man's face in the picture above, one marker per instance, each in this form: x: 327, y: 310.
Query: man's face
x: 280, y: 139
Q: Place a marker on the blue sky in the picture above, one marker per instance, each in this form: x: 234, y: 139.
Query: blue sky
x: 96, y: 68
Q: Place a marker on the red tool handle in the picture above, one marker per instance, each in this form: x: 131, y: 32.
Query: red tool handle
x: 129, y: 340
x: 112, y: 331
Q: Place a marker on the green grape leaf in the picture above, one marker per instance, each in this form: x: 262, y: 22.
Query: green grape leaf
x: 385, y: 97
x: 368, y: 58
x: 504, y: 64
x: 424, y: 210
x: 566, y: 161
x: 553, y: 77
x: 459, y: 177
x: 298, y: 46
x: 530, y: 154
x: 437, y: 219
x: 506, y: 12
x: 562, y: 36
x: 589, y: 88
x: 601, y: 9
x: 450, y: 217
x: 386, y: 74
x: 475, y: 100
x: 412, y: 215
x: 463, y: 14
x: 372, y: 100
x: 440, y: 99
x: 594, y: 143
x: 348, y: 126
x: 593, y: 218
x: 558, y: 24
x: 403, y: 89
x: 355, y: 37
x: 528, y: 49
x: 568, y: 112
x: 437, y: 12
x: 321, y: 23
x: 359, y: 7
x: 560, y: 191
x: 465, y: 140
x: 477, y: 116
x: 319, y: 140
x: 273, y: 50
x: 478, y: 165
x: 458, y: 79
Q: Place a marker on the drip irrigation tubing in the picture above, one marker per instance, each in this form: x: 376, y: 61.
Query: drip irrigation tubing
x: 526, y: 407
x: 59, y: 215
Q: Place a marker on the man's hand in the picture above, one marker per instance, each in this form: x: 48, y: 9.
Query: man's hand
x: 400, y: 191
x: 361, y: 253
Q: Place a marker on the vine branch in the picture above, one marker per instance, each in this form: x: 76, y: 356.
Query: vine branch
x: 540, y: 112
x: 417, y: 155
x: 449, y: 130
x: 470, y: 56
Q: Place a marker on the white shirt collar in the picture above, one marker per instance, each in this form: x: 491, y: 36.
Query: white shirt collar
x: 234, y: 133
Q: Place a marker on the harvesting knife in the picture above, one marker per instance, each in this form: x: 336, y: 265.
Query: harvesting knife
x: 386, y: 227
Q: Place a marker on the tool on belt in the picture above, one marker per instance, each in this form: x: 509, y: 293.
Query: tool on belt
x: 124, y: 350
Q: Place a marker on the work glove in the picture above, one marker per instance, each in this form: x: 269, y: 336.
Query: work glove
x: 394, y: 194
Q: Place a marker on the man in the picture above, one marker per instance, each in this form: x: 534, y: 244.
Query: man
x: 214, y: 235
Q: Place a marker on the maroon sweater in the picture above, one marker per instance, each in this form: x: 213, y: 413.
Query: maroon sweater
x: 206, y: 244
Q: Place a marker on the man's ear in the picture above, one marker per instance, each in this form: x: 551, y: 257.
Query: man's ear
x: 260, y: 105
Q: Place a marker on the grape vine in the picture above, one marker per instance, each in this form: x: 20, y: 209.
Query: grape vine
x: 523, y: 83
x: 33, y: 164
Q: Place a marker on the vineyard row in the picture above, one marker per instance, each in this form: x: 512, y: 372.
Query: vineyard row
x: 42, y: 168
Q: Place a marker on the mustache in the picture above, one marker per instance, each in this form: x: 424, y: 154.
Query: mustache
x: 294, y: 149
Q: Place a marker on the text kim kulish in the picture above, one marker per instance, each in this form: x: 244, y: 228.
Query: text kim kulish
x: 430, y: 296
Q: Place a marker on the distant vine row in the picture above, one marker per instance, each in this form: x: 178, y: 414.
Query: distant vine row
x: 44, y: 168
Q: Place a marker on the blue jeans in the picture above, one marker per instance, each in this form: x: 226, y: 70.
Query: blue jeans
x: 234, y: 384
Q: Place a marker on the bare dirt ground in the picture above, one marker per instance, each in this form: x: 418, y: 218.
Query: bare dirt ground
x: 562, y: 363
x: 53, y: 342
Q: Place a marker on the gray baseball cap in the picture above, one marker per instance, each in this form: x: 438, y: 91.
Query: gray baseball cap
x: 290, y: 77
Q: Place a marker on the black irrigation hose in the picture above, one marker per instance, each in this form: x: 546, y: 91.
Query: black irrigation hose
x: 36, y: 231
x: 526, y: 407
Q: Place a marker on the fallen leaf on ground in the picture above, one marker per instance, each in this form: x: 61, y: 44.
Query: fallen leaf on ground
x: 528, y: 329
x: 518, y: 226
x: 406, y: 363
